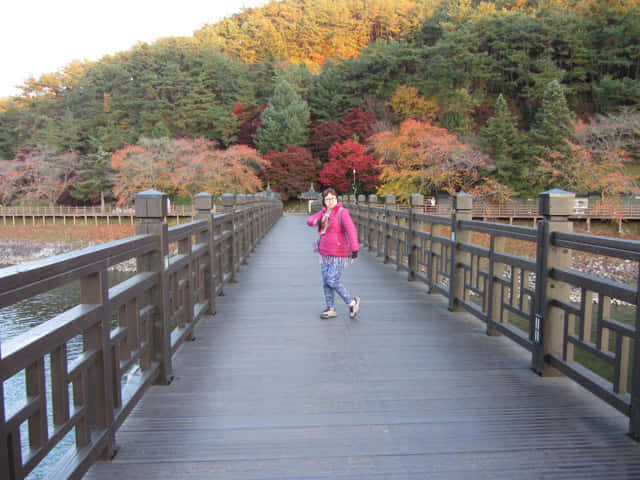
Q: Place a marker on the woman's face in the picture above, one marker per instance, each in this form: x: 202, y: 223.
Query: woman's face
x: 330, y: 200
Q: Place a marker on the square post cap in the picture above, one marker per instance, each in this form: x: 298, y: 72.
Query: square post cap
x: 462, y: 201
x: 151, y: 204
x: 373, y: 198
x: 416, y: 200
x: 228, y: 200
x: 204, y: 201
x: 390, y: 199
x: 556, y: 202
x: 361, y: 198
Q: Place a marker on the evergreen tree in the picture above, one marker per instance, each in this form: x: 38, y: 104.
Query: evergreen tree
x: 554, y: 122
x: 506, y: 145
x: 96, y: 177
x: 285, y: 121
x: 330, y: 99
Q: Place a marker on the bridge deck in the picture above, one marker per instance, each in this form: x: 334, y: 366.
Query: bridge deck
x: 408, y: 390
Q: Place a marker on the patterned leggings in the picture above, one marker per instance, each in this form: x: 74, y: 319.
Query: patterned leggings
x: 331, y: 273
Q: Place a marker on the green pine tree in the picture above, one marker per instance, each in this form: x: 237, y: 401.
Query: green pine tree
x: 553, y: 125
x: 285, y: 121
x: 506, y: 144
x: 97, y: 177
x: 329, y: 100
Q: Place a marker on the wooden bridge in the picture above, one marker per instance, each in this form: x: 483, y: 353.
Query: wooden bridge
x: 413, y: 388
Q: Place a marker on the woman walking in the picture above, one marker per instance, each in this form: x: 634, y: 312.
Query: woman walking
x: 338, y: 244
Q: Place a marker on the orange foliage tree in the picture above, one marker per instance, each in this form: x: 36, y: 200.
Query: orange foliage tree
x: 184, y: 166
x: 38, y: 175
x: 422, y: 158
x: 407, y: 102
x: 580, y: 171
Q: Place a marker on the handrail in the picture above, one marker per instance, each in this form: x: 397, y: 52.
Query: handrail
x: 535, y: 297
x: 129, y: 332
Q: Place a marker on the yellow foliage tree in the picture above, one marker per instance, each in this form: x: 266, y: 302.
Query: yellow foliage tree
x: 422, y: 158
x: 407, y: 102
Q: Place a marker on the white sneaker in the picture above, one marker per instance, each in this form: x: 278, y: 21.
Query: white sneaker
x: 329, y: 313
x: 354, y: 306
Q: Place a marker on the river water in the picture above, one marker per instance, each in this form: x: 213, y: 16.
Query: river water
x: 18, y: 319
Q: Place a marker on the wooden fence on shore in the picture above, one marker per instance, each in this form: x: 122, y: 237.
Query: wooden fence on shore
x: 513, y: 211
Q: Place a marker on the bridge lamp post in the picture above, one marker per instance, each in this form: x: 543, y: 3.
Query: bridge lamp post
x: 355, y: 193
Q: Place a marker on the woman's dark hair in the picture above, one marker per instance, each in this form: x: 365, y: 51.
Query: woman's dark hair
x: 326, y: 192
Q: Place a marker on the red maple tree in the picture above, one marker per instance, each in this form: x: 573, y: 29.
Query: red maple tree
x: 290, y: 172
x: 344, y: 157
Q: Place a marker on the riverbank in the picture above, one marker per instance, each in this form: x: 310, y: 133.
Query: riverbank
x: 25, y: 243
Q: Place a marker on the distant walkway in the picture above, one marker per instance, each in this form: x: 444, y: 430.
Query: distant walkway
x: 408, y: 390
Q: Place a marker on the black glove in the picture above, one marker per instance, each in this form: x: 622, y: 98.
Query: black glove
x: 354, y: 254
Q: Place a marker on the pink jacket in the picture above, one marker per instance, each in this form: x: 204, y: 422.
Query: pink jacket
x: 334, y: 242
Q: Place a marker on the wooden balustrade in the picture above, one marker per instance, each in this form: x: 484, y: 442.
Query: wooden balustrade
x: 535, y: 296
x: 128, y: 332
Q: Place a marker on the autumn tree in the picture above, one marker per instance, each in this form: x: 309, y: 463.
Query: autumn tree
x: 185, y: 166
x: 578, y: 171
x: 135, y: 171
x: 285, y: 121
x: 323, y: 136
x: 48, y: 176
x: 250, y: 122
x: 407, y: 102
x: 12, y: 179
x: 357, y: 122
x: 344, y: 158
x: 234, y: 170
x: 422, y: 158
x: 290, y: 172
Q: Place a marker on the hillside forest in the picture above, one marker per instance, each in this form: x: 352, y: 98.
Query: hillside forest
x: 498, y: 98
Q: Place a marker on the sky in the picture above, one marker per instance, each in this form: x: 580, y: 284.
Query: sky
x: 43, y: 36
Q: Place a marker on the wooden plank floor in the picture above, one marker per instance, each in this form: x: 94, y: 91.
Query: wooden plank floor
x: 408, y: 390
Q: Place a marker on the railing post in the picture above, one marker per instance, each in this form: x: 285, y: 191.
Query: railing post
x: 416, y: 205
x: 548, y: 327
x: 151, y: 209
x: 204, y: 209
x: 228, y: 206
x: 364, y: 219
x: 372, y: 203
x: 94, y: 289
x: 462, y: 205
x: 389, y: 203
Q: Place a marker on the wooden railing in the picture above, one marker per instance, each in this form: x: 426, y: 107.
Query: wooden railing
x: 128, y: 332
x: 532, y: 294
